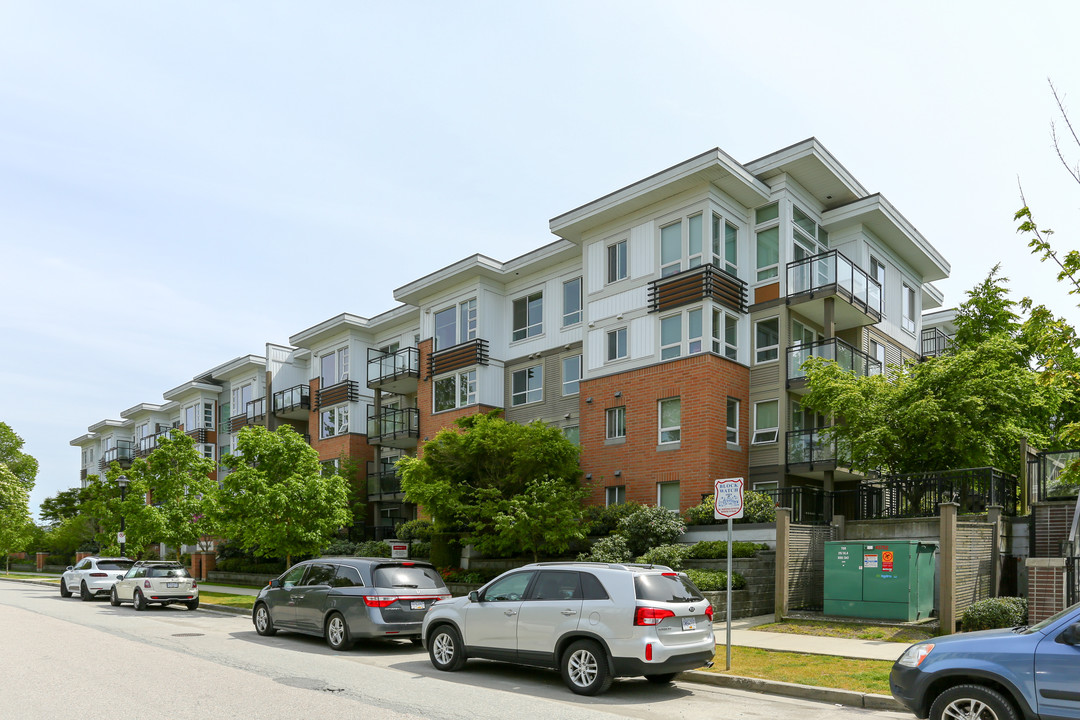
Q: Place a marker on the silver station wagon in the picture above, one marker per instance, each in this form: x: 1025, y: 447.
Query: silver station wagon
x: 346, y: 599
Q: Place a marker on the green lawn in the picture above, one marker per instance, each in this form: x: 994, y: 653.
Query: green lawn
x: 21, y: 576
x: 870, y: 676
x: 216, y: 598
x: 852, y: 631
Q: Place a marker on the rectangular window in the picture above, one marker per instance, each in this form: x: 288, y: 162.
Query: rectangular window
x: 909, y: 309
x: 208, y: 416
x: 725, y: 334
x: 733, y: 421
x: 571, y: 302
x: 877, y: 351
x: 616, y: 344
x: 617, y: 262
x: 767, y: 340
x: 615, y: 495
x: 667, y: 495
x: 725, y: 245
x: 334, y: 368
x: 467, y: 311
x: 670, y: 414
x: 616, y: 422
x: 454, y: 391
x: 766, y: 422
x: 573, y: 434
x: 208, y: 452
x: 528, y: 316
x: 670, y: 336
x: 693, y: 241
x: 334, y: 421
x: 445, y: 328
x: 527, y: 386
x: 671, y: 249
x: 190, y: 413
x: 767, y: 243
x: 571, y: 374
x: 223, y: 418
x: 693, y: 331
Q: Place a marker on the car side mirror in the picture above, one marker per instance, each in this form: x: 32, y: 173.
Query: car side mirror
x: 474, y: 596
x: 119, y: 577
x: 69, y: 568
x: 1070, y: 635
x: 275, y: 583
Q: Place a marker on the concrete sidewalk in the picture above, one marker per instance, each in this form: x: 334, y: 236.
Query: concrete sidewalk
x: 743, y: 635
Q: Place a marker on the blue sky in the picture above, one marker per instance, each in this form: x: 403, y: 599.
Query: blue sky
x: 182, y: 182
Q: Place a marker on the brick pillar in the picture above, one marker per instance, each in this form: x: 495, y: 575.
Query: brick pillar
x: 196, y: 566
x: 947, y: 568
x: 208, y: 563
x: 783, y: 555
x: 80, y: 555
x: 39, y: 560
x: 1046, y: 587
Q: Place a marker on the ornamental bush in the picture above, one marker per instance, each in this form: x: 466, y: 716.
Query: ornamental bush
x: 715, y: 580
x: 649, y: 526
x: 372, y: 548
x: 757, y: 508
x: 991, y: 613
x: 670, y: 555
x: 340, y: 547
x: 717, y: 549
x: 415, y: 530
x: 604, y: 519
x: 610, y: 549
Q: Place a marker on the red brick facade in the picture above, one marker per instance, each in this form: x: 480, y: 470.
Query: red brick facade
x: 704, y: 383
x: 431, y: 423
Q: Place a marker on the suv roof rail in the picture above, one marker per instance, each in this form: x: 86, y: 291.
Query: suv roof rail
x: 596, y: 563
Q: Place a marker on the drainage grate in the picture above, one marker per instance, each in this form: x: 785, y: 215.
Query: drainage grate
x: 188, y: 634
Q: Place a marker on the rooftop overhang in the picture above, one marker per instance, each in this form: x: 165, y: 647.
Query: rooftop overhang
x: 108, y: 425
x: 931, y: 298
x: 83, y: 440
x: 191, y: 389
x: 944, y: 320
x: 316, y: 334
x: 713, y: 167
x: 815, y: 169
x: 140, y: 409
x: 241, y: 365
x: 878, y: 215
x: 481, y: 267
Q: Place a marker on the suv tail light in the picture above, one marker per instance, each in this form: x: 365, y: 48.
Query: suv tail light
x: 99, y: 575
x: 379, y: 600
x: 651, y: 616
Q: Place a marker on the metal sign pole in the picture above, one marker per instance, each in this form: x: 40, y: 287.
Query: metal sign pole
x: 728, y: 665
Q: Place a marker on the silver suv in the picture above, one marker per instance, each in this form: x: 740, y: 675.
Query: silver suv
x: 592, y: 621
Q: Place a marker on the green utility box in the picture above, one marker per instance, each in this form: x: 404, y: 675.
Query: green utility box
x: 892, y: 580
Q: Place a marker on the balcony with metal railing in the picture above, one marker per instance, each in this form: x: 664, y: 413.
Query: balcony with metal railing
x: 395, y: 372
x: 934, y: 342
x: 696, y: 284
x: 811, y: 450
x: 846, y: 356
x: 394, y: 427
x: 254, y: 414
x: 123, y: 452
x: 344, y: 391
x: 292, y: 403
x: 456, y: 357
x: 811, y: 280
x: 384, y: 482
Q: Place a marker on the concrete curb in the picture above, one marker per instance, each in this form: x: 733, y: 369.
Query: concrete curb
x: 851, y: 698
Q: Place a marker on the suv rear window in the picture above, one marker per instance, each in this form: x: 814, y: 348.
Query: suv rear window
x: 400, y: 576
x: 115, y: 564
x: 167, y: 572
x: 666, y: 588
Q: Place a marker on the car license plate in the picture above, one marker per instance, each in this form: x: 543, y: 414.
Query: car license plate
x: 172, y: 585
x: 689, y: 623
x: 417, y: 604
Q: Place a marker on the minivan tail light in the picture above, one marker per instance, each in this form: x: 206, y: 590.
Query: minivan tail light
x: 379, y: 600
x: 651, y: 616
x: 709, y: 612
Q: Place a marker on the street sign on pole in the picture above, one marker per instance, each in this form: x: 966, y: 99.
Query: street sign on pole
x: 728, y: 503
x: 121, y: 537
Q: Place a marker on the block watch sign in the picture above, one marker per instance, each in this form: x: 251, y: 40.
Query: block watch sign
x: 728, y: 496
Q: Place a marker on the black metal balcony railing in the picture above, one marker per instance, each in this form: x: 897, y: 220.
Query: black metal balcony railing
x: 123, y: 452
x: 690, y: 286
x: 383, y: 480
x: 832, y: 271
x: 462, y: 355
x: 344, y: 391
x: 934, y: 342
x: 384, y: 367
x: 254, y: 414
x: 393, y: 424
x: 298, y: 397
x: 846, y: 356
x: 1055, y: 475
x: 812, y: 447
x: 199, y: 435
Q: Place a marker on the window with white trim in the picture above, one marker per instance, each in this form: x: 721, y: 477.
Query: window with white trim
x: 808, y: 237
x: 455, y: 391
x: 725, y: 334
x: 733, y: 421
x: 528, y: 316
x: 615, y: 421
x: 877, y: 271
x: 667, y: 495
x: 681, y: 245
x: 527, y: 385
x: 334, y: 421
x: 456, y: 324
x: 767, y: 241
x: 241, y: 396
x: 616, y: 344
x: 208, y: 452
x: 877, y: 351
x: 333, y: 367
x: 198, y: 415
x: 908, y: 322
x: 766, y: 422
x: 767, y: 340
x: 674, y: 328
x: 725, y: 245
x: 803, y: 334
x: 571, y: 302
x: 571, y: 375
x: 669, y: 413
x: 615, y: 495
x: 617, y: 262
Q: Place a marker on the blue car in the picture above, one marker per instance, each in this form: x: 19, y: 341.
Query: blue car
x: 1026, y: 672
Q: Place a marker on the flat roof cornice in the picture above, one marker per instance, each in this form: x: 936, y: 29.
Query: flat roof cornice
x: 191, y: 388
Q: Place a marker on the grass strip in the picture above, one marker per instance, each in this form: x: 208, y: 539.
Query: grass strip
x: 217, y: 598
x: 852, y: 631
x: 20, y: 576
x: 870, y: 676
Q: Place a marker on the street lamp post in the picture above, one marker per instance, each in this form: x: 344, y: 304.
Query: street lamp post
x: 122, y: 481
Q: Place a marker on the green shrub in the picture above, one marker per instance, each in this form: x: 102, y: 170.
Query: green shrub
x: 717, y: 549
x: 244, y: 565
x: 340, y: 547
x: 757, y: 508
x: 372, y: 548
x: 991, y: 613
x: 415, y: 530
x: 649, y: 526
x: 470, y: 577
x: 670, y: 555
x: 610, y: 549
x: 604, y: 519
x: 711, y: 580
x: 420, y: 550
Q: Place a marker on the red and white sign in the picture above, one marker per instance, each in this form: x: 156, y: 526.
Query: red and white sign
x: 728, y: 495
x: 399, y: 549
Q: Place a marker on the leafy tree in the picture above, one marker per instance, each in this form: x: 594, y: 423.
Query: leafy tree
x: 468, y: 476
x: 73, y: 534
x: 24, y: 467
x: 547, y: 516
x: 276, y: 501
x: 107, y: 502
x: 62, y: 506
x: 184, y: 497
x: 14, y: 513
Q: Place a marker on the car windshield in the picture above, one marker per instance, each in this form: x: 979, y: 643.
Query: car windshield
x: 666, y: 588
x: 1037, y: 627
x: 402, y: 576
x: 115, y: 564
x: 167, y: 572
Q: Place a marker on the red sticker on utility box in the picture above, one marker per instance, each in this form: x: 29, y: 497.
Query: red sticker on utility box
x: 887, y: 560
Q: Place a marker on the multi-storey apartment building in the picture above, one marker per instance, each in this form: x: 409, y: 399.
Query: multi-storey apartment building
x: 664, y: 331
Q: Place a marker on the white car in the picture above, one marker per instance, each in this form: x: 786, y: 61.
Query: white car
x: 592, y: 621
x: 93, y: 576
x: 160, y: 582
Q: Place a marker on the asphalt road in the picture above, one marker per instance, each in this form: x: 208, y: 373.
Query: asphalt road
x: 65, y: 657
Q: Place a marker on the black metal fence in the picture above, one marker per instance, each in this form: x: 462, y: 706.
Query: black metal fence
x: 1072, y: 581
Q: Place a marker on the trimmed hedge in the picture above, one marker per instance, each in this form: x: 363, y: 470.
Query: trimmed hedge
x: 715, y: 580
x: 992, y: 613
x: 670, y: 555
x: 717, y: 549
x: 243, y: 565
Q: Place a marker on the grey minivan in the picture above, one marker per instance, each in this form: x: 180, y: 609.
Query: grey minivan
x: 344, y: 599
